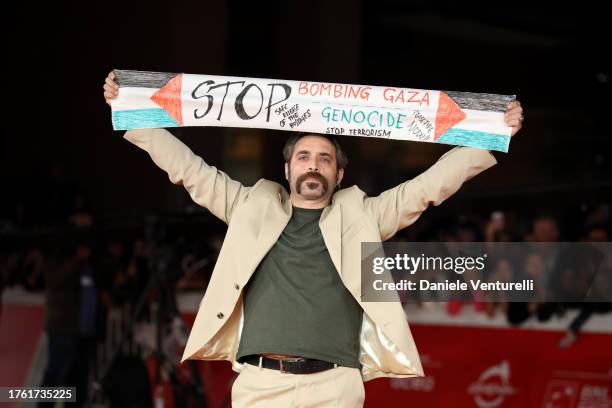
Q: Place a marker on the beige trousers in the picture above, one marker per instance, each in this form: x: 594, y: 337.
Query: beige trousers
x: 339, y: 387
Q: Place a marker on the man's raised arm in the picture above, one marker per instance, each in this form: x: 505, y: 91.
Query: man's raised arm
x: 206, y: 185
x: 399, y: 207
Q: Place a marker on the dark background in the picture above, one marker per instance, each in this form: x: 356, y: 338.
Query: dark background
x: 62, y: 166
x: 555, y: 59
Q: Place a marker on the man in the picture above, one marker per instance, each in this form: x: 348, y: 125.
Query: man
x: 284, y: 300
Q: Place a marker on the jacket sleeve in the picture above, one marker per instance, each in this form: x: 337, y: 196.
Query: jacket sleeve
x: 206, y: 185
x: 401, y: 206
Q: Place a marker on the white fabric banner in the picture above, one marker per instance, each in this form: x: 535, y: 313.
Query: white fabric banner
x: 156, y: 99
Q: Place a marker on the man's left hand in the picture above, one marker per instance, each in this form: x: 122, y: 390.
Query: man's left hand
x: 514, y: 116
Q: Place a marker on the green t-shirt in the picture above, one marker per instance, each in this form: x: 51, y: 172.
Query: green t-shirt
x: 296, y: 303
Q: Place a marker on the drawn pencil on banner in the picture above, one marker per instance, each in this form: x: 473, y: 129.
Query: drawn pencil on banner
x: 158, y: 99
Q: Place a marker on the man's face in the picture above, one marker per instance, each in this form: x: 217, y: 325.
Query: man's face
x: 313, y: 171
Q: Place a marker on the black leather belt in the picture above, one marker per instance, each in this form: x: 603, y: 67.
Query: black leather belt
x: 293, y: 366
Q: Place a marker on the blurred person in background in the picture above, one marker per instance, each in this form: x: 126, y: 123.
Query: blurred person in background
x: 602, y: 289
x: 544, y: 229
x: 72, y: 302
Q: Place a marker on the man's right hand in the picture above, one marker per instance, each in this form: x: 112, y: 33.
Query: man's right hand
x: 111, y: 89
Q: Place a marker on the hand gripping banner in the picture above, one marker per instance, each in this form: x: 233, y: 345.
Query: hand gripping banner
x: 157, y: 99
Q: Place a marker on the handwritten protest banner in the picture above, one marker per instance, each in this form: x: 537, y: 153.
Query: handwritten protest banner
x: 157, y: 99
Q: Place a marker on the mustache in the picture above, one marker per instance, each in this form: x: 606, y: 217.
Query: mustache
x: 311, y: 174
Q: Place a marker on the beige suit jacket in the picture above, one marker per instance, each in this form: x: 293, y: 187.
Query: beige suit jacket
x: 257, y: 215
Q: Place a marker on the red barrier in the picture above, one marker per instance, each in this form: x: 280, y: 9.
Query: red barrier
x: 491, y: 368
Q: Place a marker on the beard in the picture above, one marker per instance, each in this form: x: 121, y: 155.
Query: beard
x: 311, y: 184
